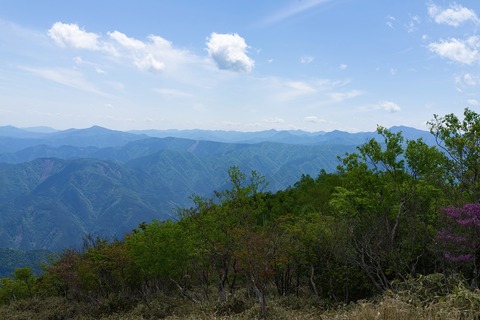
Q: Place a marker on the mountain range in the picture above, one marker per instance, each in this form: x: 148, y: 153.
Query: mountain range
x: 57, y: 186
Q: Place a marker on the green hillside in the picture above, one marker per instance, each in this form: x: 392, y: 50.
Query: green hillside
x: 51, y: 203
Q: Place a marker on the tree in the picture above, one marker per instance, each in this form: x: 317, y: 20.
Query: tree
x: 213, y: 222
x: 460, y: 140
x: 162, y: 250
x: 21, y: 286
x: 389, y: 201
x: 26, y: 278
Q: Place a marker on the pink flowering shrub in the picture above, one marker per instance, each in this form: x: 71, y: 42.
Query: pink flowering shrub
x: 460, y: 237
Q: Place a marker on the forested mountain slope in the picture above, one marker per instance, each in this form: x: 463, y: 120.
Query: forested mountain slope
x: 105, y: 182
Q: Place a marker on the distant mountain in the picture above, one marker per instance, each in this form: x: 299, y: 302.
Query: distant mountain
x: 13, y: 139
x: 40, y: 129
x: 413, y: 134
x: 288, y: 136
x: 92, y: 137
x: 13, y: 132
x: 12, y: 259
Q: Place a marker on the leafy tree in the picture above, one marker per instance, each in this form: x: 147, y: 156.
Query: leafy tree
x: 460, y: 140
x: 162, y: 250
x: 390, y: 204
x: 214, y: 221
x: 26, y: 278
x: 21, y: 286
x: 106, y: 268
x: 61, y: 277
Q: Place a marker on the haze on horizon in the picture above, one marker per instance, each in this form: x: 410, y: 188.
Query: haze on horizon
x: 312, y: 65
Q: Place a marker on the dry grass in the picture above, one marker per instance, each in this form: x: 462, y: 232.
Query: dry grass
x: 411, y: 303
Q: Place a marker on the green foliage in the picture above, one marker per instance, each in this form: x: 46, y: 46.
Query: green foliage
x: 390, y: 201
x: 460, y: 139
x: 162, y: 250
x: 20, y: 287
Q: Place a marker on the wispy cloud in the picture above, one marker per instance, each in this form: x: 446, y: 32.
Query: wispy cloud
x: 171, y: 92
x: 465, y: 81
x: 342, y: 96
x: 289, y: 11
x: 389, y: 21
x: 454, y: 16
x: 274, y: 120
x: 314, y: 119
x: 66, y: 77
x: 388, y: 106
x: 412, y: 25
x: 306, y: 59
x: 473, y: 102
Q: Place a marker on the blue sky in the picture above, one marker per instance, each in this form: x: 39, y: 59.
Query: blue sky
x: 237, y: 65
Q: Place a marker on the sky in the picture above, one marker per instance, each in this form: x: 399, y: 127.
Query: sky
x: 249, y: 65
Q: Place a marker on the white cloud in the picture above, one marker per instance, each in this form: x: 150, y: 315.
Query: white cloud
x: 464, y: 51
x: 100, y: 71
x: 126, y: 42
x: 389, y: 20
x: 229, y: 51
x: 306, y: 59
x: 388, y: 106
x: 343, y: 66
x: 466, y: 80
x: 146, y: 56
x: 70, y: 35
x: 152, y: 55
x: 469, y: 79
x: 149, y: 63
x: 454, y: 16
x: 473, y: 102
x: 314, y: 119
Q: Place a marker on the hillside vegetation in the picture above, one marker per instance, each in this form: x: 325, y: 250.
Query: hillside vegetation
x: 392, y: 234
